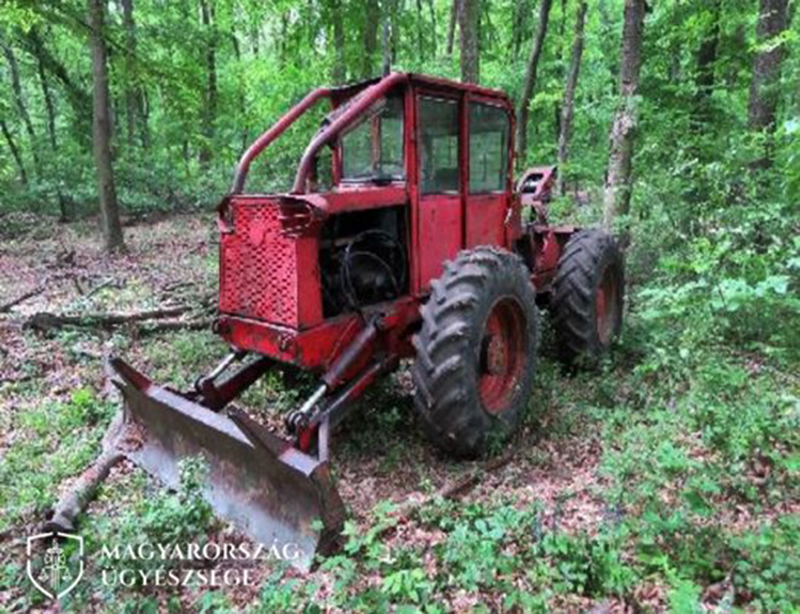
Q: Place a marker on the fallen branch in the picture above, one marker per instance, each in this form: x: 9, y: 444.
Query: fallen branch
x: 100, y: 286
x: 75, y: 500
x: 6, y: 307
x: 456, y: 488
x: 16, y: 380
x: 44, y: 321
x: 172, y: 325
x: 177, y: 285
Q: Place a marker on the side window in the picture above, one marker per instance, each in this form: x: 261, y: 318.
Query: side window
x: 373, y: 149
x: 438, y: 145
x: 488, y: 148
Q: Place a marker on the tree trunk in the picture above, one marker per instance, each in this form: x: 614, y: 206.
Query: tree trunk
x: 51, y: 130
x: 559, y: 65
x: 211, y: 94
x: 372, y: 19
x: 80, y: 101
x: 568, y: 106
x: 434, y: 33
x: 607, y: 27
x: 455, y: 10
x: 420, y: 33
x: 386, y: 54
x: 706, y: 58
x: 131, y: 96
x: 518, y: 26
x: 763, y: 104
x: 48, y: 103
x: 255, y: 40
x: 19, y: 100
x: 237, y: 53
x: 468, y: 28
x: 486, y: 32
x: 338, y: 73
x: 617, y: 193
x: 143, y: 115
x: 101, y: 131
x: 530, y: 81
x: 14, y: 152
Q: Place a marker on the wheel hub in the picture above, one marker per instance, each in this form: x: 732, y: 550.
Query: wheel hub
x: 606, y: 306
x: 502, y: 354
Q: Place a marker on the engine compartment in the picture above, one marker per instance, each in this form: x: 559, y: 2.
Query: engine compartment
x: 363, y: 259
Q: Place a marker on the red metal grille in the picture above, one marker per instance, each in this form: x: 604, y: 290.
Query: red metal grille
x: 259, y: 266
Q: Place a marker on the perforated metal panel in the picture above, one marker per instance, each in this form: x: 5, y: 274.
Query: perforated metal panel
x: 259, y: 266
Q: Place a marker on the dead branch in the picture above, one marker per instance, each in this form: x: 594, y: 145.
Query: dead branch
x: 75, y: 500
x: 105, y: 284
x: 6, y: 307
x: 172, y: 325
x: 78, y: 288
x: 456, y: 488
x: 177, y: 285
x: 45, y: 321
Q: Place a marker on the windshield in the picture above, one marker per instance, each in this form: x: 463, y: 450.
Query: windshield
x: 373, y: 150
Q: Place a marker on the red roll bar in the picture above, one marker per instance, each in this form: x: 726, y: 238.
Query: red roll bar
x: 273, y: 133
x: 362, y: 102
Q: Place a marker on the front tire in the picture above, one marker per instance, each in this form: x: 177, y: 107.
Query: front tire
x: 476, y: 351
x: 588, y: 297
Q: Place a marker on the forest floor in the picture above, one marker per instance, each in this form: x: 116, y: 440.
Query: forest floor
x: 632, y: 488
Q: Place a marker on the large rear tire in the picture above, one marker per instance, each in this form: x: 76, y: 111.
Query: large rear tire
x: 476, y: 351
x: 588, y: 297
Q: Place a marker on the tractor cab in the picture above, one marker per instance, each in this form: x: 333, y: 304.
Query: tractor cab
x: 403, y: 173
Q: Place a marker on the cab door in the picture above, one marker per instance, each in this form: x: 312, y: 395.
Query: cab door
x: 488, y: 190
x: 439, y: 147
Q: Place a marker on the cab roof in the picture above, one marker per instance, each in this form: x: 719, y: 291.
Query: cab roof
x: 438, y: 83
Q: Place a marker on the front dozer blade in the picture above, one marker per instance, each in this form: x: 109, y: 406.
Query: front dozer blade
x: 266, y: 487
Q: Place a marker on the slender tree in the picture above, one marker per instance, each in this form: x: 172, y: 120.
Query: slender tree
x: 49, y: 105
x: 706, y: 60
x: 560, y: 64
x: 211, y: 93
x: 101, y: 131
x: 12, y: 146
x: 386, y: 34
x: 455, y: 10
x: 470, y: 53
x: 338, y: 72
x: 81, y: 102
x: 568, y: 105
x: 617, y: 193
x: 372, y: 22
x: 51, y: 131
x: 530, y: 80
x: 763, y: 104
x: 19, y: 99
x: 434, y: 32
x: 131, y: 91
x: 240, y: 94
x: 518, y: 26
x: 420, y: 32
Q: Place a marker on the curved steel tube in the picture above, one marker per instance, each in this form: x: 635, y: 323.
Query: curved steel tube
x: 270, y: 135
x: 365, y: 99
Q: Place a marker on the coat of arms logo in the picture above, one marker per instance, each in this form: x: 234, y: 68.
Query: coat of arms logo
x: 51, y: 570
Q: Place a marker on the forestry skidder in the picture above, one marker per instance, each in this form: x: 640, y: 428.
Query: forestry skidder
x: 402, y: 237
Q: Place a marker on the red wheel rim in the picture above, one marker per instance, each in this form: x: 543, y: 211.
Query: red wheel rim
x: 606, y: 306
x: 502, y: 354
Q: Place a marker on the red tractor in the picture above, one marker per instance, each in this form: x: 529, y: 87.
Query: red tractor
x: 402, y: 237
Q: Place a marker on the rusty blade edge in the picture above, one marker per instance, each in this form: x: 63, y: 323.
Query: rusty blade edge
x: 284, y: 489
